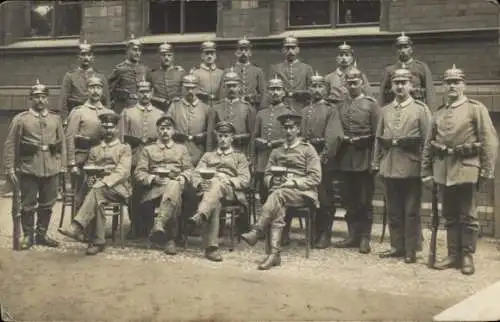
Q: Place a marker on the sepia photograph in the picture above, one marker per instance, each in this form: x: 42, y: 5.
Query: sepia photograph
x: 249, y: 160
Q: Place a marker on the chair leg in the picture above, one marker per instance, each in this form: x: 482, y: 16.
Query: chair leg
x: 63, y: 211
x: 232, y: 232
x: 313, y: 227
x: 73, y: 208
x: 114, y: 224
x: 308, y: 233
x: 301, y: 224
x: 184, y: 231
x: 122, y: 227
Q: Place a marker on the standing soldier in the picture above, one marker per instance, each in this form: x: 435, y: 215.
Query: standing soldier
x: 401, y: 131
x: 137, y: 128
x: 84, y: 131
x: 360, y: 115
x: 238, y: 112
x: 421, y: 77
x: 166, y: 80
x: 337, y: 79
x: 74, y: 88
x: 209, y: 75
x: 253, y: 83
x: 318, y: 118
x: 295, y: 75
x: 459, y: 155
x: 268, y: 134
x: 125, y: 77
x: 35, y: 156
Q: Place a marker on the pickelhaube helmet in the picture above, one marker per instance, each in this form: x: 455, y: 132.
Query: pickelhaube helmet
x: 290, y: 41
x: 401, y: 73
x: 345, y: 48
x: 39, y: 88
x: 190, y: 80
x: 454, y: 73
x: 208, y: 46
x: 353, y: 73
x: 133, y: 42
x: 84, y: 47
x: 144, y: 85
x: 317, y: 78
x: 95, y: 81
x: 244, y: 43
x: 403, y: 40
x: 275, y: 82
x: 165, y: 48
x: 231, y: 77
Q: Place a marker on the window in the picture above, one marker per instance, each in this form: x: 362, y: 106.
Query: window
x: 182, y: 16
x: 55, y: 18
x: 327, y: 13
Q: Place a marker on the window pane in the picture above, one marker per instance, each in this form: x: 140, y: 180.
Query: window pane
x: 309, y: 13
x: 201, y: 16
x: 41, y: 19
x: 164, y: 17
x: 358, y: 11
x: 68, y: 19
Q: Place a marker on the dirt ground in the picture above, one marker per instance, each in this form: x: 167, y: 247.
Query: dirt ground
x: 136, y: 284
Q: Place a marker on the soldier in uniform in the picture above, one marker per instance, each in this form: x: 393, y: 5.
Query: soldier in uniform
x: 295, y: 75
x: 74, y: 88
x: 125, y: 77
x: 253, y: 83
x: 359, y: 114
x: 137, y: 129
x: 401, y: 131
x: 231, y: 177
x: 336, y: 80
x: 35, y: 156
x: 460, y: 152
x: 209, y: 75
x: 166, y: 80
x: 164, y: 191
x: 84, y: 131
x: 114, y: 186
x: 321, y: 120
x: 297, y: 187
x: 268, y: 134
x: 421, y: 77
x: 238, y: 112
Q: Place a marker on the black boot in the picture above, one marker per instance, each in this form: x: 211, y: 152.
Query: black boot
x: 157, y: 234
x: 27, y: 223
x: 43, y: 220
x: 324, y: 229
x: 274, y: 259
x: 285, y: 235
x: 469, y: 240
x: 364, y: 245
x: 352, y: 240
x: 452, y: 260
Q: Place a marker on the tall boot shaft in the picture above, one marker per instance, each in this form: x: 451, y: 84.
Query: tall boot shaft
x: 274, y: 259
x: 28, y: 226
x: 42, y: 226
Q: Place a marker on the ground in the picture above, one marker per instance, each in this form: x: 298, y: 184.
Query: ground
x: 137, y: 284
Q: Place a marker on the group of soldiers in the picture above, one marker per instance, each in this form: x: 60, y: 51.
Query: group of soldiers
x: 172, y: 142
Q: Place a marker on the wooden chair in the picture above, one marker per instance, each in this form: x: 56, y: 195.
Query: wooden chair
x: 116, y: 211
x: 233, y: 210
x: 68, y: 199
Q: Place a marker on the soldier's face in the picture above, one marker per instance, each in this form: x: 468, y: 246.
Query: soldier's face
x: 208, y: 57
x: 243, y: 53
x: 145, y: 96
x: 232, y: 90
x: 39, y: 101
x: 318, y: 90
x: 189, y: 92
x: 95, y: 93
x: 455, y: 88
x: 225, y: 140
x: 405, y: 52
x: 134, y: 53
x: 345, y: 59
x: 401, y: 88
x: 292, y: 130
x: 277, y: 94
x: 291, y: 52
x: 166, y: 131
x: 166, y: 58
x: 110, y: 132
x: 354, y: 86
x: 86, y: 58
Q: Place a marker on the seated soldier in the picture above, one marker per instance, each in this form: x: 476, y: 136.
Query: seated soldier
x: 230, y: 177
x: 162, y: 169
x: 112, y: 160
x: 292, y: 174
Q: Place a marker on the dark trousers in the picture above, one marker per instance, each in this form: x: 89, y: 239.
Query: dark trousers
x: 324, y: 218
x: 403, y: 199
x: 461, y: 220
x: 261, y: 187
x: 357, y: 195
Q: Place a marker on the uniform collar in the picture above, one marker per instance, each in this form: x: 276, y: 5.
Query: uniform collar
x: 148, y: 108
x: 321, y: 101
x: 403, y: 104
x: 43, y: 113
x: 195, y: 102
x: 97, y: 106
x: 458, y: 102
x: 90, y: 69
x: 243, y: 64
x: 409, y: 61
x: 131, y: 63
x: 112, y: 143
x: 167, y: 68
x: 167, y: 145
x: 293, y: 62
x: 204, y: 66
x: 228, y: 151
x: 360, y: 96
x: 339, y: 72
x: 231, y: 101
x: 280, y: 104
x: 287, y: 147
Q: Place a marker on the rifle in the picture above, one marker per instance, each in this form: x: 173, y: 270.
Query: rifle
x: 435, y: 225
x: 384, y: 221
x: 16, y: 214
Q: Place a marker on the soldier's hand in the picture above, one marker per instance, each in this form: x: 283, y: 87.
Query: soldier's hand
x: 14, y: 181
x: 204, y: 185
x: 288, y: 184
x: 159, y: 180
x: 181, y: 180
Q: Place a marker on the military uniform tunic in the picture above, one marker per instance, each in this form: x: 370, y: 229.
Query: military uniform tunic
x: 296, y: 77
x: 192, y: 119
x: 167, y: 84
x: 253, y: 83
x: 123, y: 84
x: 210, y: 81
x: 74, y: 91
x: 337, y: 85
x: 423, y: 87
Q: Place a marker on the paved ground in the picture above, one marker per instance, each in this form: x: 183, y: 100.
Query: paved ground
x: 136, y: 284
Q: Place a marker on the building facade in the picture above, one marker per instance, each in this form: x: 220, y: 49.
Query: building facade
x: 38, y: 39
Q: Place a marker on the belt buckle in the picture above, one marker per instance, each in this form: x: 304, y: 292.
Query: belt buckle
x: 394, y: 142
x: 44, y: 148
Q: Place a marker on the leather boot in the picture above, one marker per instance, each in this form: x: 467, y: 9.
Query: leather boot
x: 392, y: 253
x: 468, y: 267
x: 452, y: 260
x: 27, y: 223
x: 252, y: 237
x: 95, y: 249
x: 324, y: 228
x: 352, y: 240
x: 274, y: 259
x: 170, y: 248
x: 285, y: 236
x: 410, y: 257
x: 43, y: 220
x: 469, y: 240
x: 364, y: 245
x: 157, y: 234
